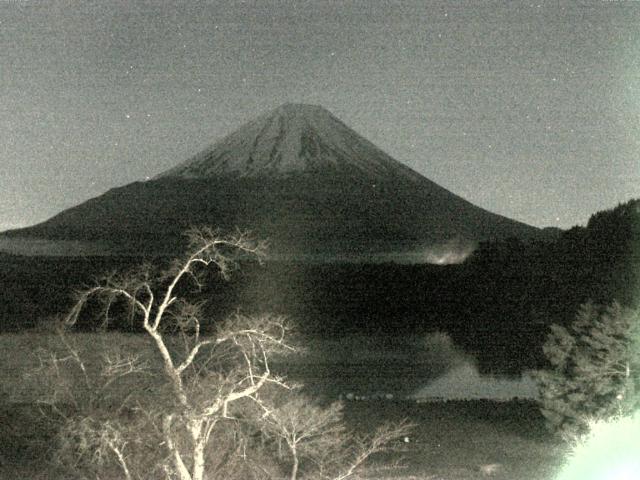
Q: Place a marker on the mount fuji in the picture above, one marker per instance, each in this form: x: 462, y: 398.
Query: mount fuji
x: 296, y: 176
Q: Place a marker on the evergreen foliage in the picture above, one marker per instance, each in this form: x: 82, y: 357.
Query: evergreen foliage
x: 594, y: 368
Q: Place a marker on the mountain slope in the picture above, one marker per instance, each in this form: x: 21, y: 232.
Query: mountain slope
x: 297, y: 176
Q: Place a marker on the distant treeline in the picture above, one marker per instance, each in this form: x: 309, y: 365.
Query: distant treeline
x: 497, y: 305
x: 529, y: 286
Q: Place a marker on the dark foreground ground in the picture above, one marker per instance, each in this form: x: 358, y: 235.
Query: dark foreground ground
x: 452, y: 441
x: 464, y: 440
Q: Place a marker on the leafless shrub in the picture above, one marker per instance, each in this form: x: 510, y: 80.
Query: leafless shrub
x: 315, y: 440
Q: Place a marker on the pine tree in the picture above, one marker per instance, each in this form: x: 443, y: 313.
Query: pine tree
x: 594, y: 369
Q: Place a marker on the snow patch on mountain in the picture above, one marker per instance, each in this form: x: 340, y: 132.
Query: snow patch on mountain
x: 294, y: 138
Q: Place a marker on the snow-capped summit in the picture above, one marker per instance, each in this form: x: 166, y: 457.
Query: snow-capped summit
x: 293, y: 138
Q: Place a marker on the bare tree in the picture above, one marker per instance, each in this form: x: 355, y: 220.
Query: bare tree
x: 205, y: 374
x: 317, y: 434
x: 307, y: 429
x: 183, y: 408
x: 351, y: 453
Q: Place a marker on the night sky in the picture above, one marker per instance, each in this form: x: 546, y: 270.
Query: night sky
x: 530, y: 110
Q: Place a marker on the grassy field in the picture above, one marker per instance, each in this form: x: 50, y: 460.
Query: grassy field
x: 451, y: 441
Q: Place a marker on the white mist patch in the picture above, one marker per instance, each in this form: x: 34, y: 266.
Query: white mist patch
x: 461, y: 379
x: 452, y: 252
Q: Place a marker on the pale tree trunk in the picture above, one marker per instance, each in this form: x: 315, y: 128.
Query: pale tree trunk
x: 181, y: 468
x: 178, y: 463
x: 122, y: 461
x: 294, y: 467
x: 198, y: 440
